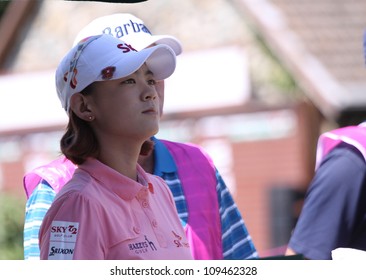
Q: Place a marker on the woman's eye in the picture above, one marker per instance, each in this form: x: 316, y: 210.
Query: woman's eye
x: 152, y: 82
x: 128, y: 81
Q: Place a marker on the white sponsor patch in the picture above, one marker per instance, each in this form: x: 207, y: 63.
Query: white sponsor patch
x: 62, y: 240
x: 61, y: 251
x: 64, y: 231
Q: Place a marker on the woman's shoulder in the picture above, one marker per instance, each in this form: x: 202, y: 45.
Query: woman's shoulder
x: 79, y: 185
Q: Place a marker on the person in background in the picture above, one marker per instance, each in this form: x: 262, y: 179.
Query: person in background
x: 111, y: 208
x: 334, y: 210
x: 211, y: 219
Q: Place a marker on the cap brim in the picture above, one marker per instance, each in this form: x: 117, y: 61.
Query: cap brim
x: 160, y: 59
x: 140, y: 42
x: 171, y: 41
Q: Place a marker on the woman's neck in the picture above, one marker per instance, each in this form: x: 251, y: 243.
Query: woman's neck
x: 121, y: 157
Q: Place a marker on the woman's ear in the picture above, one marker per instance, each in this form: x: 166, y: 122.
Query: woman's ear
x: 80, y: 105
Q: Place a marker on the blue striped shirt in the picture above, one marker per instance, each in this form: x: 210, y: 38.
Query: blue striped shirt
x: 36, y: 207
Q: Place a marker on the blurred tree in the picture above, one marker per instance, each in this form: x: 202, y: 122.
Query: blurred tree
x: 3, y: 5
x: 11, y: 227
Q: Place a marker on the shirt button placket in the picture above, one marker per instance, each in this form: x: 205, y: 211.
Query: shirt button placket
x: 137, y: 230
x: 145, y: 203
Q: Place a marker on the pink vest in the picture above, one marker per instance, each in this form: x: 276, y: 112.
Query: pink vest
x: 197, y: 175
x: 57, y: 173
x: 352, y: 135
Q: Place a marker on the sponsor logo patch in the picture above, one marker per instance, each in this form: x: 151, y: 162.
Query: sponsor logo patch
x: 63, y: 237
x: 142, y: 247
x: 179, y: 242
x: 61, y: 251
x: 64, y: 231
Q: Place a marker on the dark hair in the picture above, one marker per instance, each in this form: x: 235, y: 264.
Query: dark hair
x: 79, y: 141
x: 147, y: 147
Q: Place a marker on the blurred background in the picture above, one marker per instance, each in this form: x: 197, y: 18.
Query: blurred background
x: 257, y: 82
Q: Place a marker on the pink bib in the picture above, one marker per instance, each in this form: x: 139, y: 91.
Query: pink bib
x: 57, y: 173
x: 352, y: 135
x: 197, y: 175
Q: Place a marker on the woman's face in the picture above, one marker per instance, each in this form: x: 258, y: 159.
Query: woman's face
x: 127, y: 107
x: 160, y: 86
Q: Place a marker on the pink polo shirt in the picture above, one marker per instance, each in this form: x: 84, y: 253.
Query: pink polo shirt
x: 101, y: 214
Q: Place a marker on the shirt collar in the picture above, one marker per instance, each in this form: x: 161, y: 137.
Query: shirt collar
x: 121, y: 185
x: 163, y: 160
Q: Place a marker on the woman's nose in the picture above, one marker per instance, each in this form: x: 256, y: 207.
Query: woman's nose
x: 150, y: 93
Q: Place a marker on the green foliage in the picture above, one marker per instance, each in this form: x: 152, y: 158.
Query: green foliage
x: 3, y: 5
x: 11, y: 227
x: 272, y: 81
